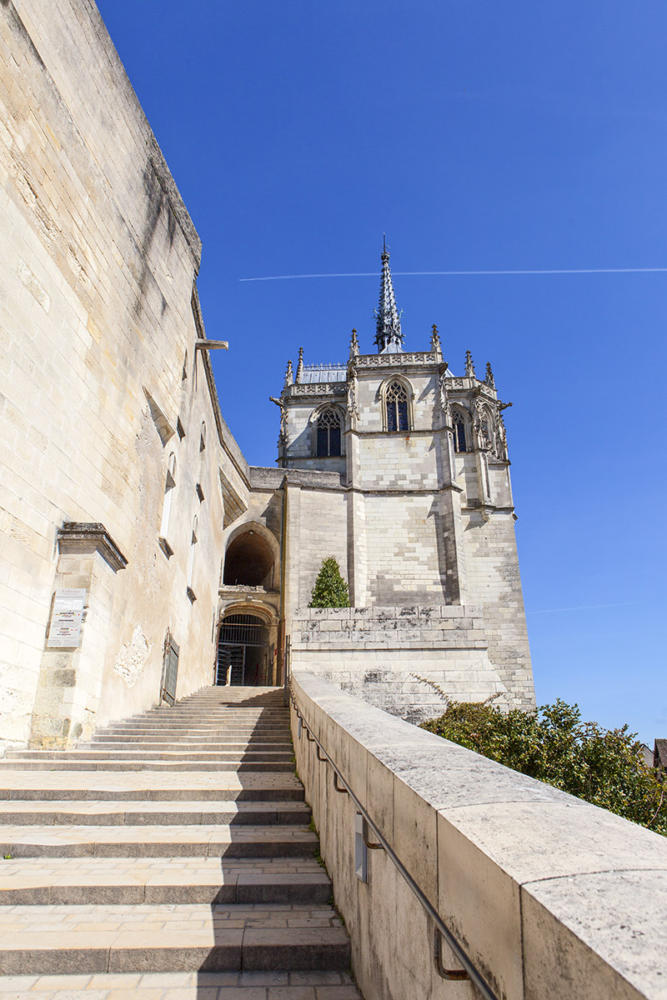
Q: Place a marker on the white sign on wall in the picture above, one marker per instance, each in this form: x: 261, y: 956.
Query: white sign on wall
x: 66, y: 618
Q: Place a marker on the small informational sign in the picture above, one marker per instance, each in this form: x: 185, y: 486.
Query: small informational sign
x: 66, y: 618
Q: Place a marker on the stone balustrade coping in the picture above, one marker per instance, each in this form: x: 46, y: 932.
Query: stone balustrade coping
x: 550, y: 896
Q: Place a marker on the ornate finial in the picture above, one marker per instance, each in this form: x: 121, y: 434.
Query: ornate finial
x: 388, y: 336
x: 299, y: 367
x: 470, y: 368
x: 489, y: 380
x: 436, y: 346
x: 289, y: 378
x: 354, y: 345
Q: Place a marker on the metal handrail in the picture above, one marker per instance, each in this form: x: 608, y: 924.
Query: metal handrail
x: 469, y: 970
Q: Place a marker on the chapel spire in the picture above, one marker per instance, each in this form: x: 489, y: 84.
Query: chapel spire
x: 388, y: 337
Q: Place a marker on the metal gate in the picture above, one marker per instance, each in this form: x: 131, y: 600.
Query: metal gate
x: 169, y: 671
x: 240, y: 636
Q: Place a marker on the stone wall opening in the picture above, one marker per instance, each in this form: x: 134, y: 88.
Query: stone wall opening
x: 243, y: 651
x: 249, y: 561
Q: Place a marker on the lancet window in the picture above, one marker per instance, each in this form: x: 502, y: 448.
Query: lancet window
x: 191, y: 557
x: 396, y: 403
x: 170, y: 483
x: 459, y: 431
x: 328, y: 433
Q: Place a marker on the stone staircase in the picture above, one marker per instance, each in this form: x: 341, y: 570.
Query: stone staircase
x: 170, y: 857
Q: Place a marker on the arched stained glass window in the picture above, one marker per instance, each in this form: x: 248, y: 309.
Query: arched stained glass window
x: 328, y: 433
x: 396, y: 401
x: 459, y: 432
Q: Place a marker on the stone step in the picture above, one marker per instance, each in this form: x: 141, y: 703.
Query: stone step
x: 162, y: 732
x: 176, y: 746
x: 154, y: 841
x: 199, y: 722
x: 188, y: 830
x: 311, y: 985
x: 150, y: 786
x: 201, y: 719
x: 223, y: 728
x: 137, y: 753
x: 55, y: 812
x: 167, y: 742
x: 211, y: 715
x: 37, y: 881
x: 84, y: 764
x: 160, y: 937
x: 205, y: 719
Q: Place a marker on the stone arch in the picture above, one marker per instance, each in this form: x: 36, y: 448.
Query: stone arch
x: 252, y: 557
x: 461, y: 429
x: 388, y: 389
x: 336, y: 410
x: 247, y: 643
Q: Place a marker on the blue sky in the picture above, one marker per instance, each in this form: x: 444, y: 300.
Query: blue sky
x: 479, y: 136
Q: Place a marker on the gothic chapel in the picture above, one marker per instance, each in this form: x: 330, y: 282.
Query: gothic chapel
x: 405, y: 479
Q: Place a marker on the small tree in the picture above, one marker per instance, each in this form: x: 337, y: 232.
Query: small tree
x: 603, y: 766
x: 330, y: 590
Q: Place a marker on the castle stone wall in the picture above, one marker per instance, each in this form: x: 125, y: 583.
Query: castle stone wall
x: 323, y: 533
x: 403, y: 554
x: 492, y: 576
x: 397, y: 462
x: 97, y: 327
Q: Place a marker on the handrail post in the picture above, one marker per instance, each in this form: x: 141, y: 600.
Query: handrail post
x: 451, y: 975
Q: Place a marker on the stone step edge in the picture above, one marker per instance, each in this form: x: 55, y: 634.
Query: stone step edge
x: 86, y: 753
x: 148, y: 765
x: 60, y: 818
x: 261, y: 850
x: 285, y: 794
x: 250, y: 949
x: 236, y: 888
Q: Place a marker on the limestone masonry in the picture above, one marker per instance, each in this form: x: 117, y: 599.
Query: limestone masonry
x: 141, y: 557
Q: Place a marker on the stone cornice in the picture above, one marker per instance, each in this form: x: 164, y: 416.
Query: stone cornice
x: 93, y: 537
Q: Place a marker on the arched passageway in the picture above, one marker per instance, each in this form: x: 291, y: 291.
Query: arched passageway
x: 249, y: 561
x: 243, y: 651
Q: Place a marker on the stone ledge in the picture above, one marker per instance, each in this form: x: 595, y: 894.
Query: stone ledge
x: 90, y: 536
x: 337, y: 645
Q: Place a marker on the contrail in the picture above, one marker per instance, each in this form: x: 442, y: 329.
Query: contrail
x: 583, y: 607
x: 465, y: 274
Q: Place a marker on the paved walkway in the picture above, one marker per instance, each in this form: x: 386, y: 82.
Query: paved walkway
x: 169, y: 858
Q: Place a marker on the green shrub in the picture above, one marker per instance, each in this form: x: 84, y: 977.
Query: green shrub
x: 330, y: 590
x: 603, y: 766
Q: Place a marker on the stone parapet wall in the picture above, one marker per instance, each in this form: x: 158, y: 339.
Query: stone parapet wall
x: 407, y: 660
x: 413, y: 627
x: 549, y: 897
